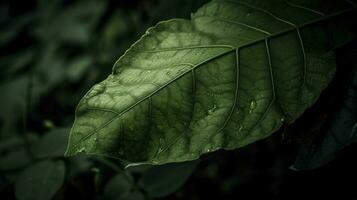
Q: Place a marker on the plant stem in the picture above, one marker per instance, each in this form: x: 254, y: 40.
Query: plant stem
x: 118, y: 169
x: 27, y: 110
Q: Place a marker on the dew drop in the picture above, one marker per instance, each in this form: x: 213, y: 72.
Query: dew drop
x: 161, y: 143
x: 282, y: 119
x: 81, y: 150
x: 95, y: 139
x: 253, y: 104
x: 95, y: 170
x: 211, y: 111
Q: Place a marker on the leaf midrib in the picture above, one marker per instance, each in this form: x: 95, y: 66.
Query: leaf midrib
x: 264, y: 38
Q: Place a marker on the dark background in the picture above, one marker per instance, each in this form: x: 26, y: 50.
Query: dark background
x: 52, y: 52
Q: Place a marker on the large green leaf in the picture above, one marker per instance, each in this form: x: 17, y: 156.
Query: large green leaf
x: 228, y: 77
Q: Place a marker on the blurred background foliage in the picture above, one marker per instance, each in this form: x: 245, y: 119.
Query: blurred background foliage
x: 52, y: 52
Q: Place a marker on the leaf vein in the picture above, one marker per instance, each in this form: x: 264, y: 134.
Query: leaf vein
x: 261, y: 10
x: 304, y: 8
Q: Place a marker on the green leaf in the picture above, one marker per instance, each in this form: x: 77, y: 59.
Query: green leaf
x: 341, y: 133
x: 160, y: 181
x: 15, y: 142
x: 224, y: 79
x: 53, y: 144
x: 13, y: 152
x: 121, y: 187
x: 15, y: 159
x: 78, y: 165
x: 40, y: 181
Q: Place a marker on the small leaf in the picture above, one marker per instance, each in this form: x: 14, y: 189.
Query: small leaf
x: 13, y: 152
x: 40, y: 181
x: 53, y: 144
x: 16, y: 159
x: 160, y: 181
x: 341, y: 133
x: 230, y: 76
x: 121, y: 187
x: 78, y: 165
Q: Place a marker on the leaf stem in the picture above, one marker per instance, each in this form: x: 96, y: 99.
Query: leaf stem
x: 120, y: 170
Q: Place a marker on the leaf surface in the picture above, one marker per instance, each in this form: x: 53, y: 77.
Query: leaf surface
x: 231, y: 75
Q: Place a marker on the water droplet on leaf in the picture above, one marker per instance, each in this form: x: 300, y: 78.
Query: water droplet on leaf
x: 211, y: 111
x: 253, y: 104
x: 81, y: 150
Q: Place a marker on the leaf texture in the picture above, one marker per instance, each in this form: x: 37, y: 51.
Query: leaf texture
x: 231, y: 75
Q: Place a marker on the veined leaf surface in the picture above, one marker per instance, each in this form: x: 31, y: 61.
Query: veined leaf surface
x: 231, y: 75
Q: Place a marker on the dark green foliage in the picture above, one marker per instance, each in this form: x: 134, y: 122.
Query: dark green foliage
x: 52, y: 52
x: 40, y: 181
x: 163, y: 180
x: 340, y: 133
